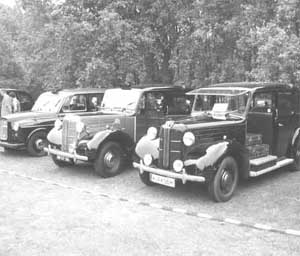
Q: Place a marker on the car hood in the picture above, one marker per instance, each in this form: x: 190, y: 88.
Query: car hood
x: 30, y: 117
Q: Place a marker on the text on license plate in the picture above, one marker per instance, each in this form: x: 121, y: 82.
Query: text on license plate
x: 166, y: 181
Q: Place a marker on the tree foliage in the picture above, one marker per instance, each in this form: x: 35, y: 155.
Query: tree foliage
x: 104, y: 43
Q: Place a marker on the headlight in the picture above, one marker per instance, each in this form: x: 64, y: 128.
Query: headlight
x: 177, y: 165
x: 79, y: 127
x: 152, y: 133
x: 188, y: 139
x: 58, y: 124
x: 147, y: 159
x: 15, y: 126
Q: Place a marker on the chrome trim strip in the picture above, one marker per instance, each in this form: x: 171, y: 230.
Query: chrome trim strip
x: 176, y: 141
x: 176, y: 151
x: 180, y: 176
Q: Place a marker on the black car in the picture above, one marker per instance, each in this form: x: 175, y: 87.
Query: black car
x: 24, y: 98
x: 28, y: 130
x: 235, y: 131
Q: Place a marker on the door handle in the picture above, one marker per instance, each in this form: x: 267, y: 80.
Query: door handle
x: 280, y: 124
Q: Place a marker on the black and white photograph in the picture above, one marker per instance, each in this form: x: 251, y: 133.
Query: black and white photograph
x: 149, y: 127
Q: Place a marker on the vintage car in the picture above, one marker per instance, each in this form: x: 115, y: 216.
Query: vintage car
x: 108, y: 139
x: 28, y: 130
x: 26, y: 101
x: 236, y: 131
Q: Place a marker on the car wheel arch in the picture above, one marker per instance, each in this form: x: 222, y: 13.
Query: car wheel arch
x: 35, y: 131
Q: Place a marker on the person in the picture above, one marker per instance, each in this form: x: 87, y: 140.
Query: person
x: 16, y: 106
x: 6, y: 105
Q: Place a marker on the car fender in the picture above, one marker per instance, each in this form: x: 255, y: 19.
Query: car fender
x: 147, y: 146
x: 216, y: 152
x: 98, y: 138
x: 295, y: 136
x: 55, y: 136
x: 33, y: 132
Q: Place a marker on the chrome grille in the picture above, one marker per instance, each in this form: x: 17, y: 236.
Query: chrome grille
x: 3, y: 129
x: 69, y: 134
x: 166, y: 146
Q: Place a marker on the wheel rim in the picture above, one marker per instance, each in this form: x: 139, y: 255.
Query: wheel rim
x: 226, y: 181
x: 111, y: 159
x: 39, y: 144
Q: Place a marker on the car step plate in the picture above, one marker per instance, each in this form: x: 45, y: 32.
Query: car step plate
x: 166, y: 181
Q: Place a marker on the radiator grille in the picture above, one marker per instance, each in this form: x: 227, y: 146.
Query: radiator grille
x: 3, y: 129
x: 69, y: 134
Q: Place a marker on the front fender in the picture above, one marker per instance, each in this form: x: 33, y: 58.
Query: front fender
x: 55, y: 136
x: 98, y: 138
x: 147, y: 146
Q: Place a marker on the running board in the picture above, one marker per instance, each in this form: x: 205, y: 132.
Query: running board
x: 278, y: 165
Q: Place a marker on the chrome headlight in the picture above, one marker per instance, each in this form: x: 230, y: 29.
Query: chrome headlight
x: 188, y: 139
x: 80, y: 126
x: 152, y: 133
x: 58, y: 124
x: 15, y: 126
x: 147, y: 159
x: 177, y: 165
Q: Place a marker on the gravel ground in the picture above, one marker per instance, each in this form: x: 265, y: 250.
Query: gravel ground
x: 41, y: 219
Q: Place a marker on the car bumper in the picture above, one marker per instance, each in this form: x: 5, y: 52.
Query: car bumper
x: 57, y: 152
x: 6, y: 144
x: 183, y: 176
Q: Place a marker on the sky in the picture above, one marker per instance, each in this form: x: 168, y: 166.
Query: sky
x: 8, y: 2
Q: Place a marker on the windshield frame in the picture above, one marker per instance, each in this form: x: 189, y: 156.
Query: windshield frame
x: 229, y: 92
x: 61, y: 99
x: 108, y: 110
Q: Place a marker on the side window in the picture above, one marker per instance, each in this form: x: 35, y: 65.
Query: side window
x: 286, y: 103
x: 94, y: 102
x: 75, y: 103
x: 155, y: 102
x: 23, y: 97
x: 262, y: 103
x: 178, y: 105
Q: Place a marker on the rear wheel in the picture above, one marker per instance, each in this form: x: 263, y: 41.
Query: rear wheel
x: 36, y: 144
x: 110, y: 160
x: 222, y: 186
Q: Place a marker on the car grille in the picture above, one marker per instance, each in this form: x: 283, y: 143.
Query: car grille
x: 69, y: 134
x: 169, y: 146
x: 3, y: 129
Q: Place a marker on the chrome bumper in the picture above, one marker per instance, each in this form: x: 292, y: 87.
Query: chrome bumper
x: 74, y: 156
x: 180, y: 176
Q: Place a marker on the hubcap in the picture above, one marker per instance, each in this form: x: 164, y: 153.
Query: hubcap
x: 39, y: 144
x: 109, y: 159
x: 226, y: 181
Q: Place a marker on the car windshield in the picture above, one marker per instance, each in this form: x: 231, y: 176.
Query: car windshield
x: 221, y: 104
x: 47, y: 102
x: 118, y: 100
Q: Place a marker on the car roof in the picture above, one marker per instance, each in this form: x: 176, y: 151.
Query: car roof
x: 80, y: 90
x: 154, y: 87
x: 246, y: 85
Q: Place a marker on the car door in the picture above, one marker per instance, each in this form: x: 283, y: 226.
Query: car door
x: 260, y: 118
x: 286, y: 120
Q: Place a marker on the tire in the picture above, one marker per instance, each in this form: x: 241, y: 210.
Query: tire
x: 36, y: 143
x: 61, y: 163
x: 110, y: 160
x: 145, y: 178
x: 222, y: 186
x: 296, y: 165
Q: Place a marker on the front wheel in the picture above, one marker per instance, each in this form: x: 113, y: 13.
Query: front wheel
x: 36, y: 144
x: 222, y: 186
x: 110, y: 160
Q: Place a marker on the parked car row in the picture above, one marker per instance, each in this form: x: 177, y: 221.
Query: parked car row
x: 216, y: 135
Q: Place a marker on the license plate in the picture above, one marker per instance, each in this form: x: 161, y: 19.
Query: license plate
x: 166, y: 181
x: 62, y: 158
x: 2, y: 149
